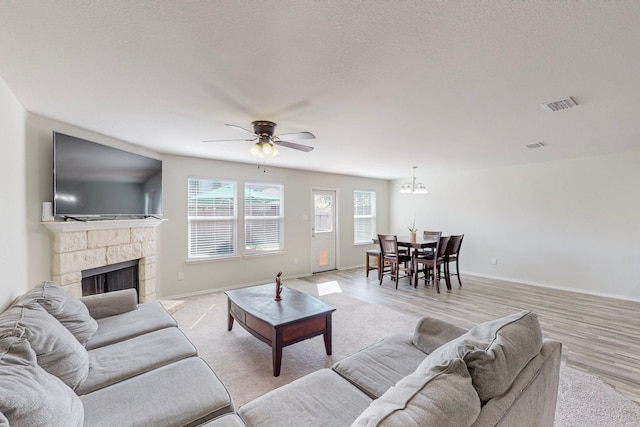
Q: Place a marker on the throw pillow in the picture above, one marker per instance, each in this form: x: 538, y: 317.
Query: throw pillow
x: 68, y: 309
x: 431, y: 333
x: 58, y: 352
x: 441, y: 396
x: 29, y: 396
x: 495, y: 352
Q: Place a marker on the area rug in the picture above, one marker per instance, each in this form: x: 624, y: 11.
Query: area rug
x: 244, y: 363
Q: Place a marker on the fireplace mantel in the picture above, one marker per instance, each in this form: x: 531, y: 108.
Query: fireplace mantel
x: 67, y: 226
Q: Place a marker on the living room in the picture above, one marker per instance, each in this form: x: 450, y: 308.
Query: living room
x: 565, y: 223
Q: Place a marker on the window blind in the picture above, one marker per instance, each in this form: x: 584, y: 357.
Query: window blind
x: 364, y: 216
x: 212, y: 217
x: 263, y: 217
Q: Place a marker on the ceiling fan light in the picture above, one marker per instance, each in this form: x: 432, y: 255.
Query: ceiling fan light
x: 275, y: 151
x: 255, y: 150
x: 267, y: 149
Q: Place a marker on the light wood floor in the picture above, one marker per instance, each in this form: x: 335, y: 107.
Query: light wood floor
x: 600, y: 335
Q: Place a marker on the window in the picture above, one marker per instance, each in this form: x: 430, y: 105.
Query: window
x: 364, y: 216
x: 323, y: 213
x: 212, y: 218
x: 263, y: 217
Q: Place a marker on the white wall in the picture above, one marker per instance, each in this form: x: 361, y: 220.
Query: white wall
x: 13, y: 249
x: 570, y: 224
x: 172, y: 235
x: 296, y: 259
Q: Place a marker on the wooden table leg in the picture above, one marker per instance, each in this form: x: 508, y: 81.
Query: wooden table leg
x: 327, y: 335
x: 230, y: 317
x: 276, y: 351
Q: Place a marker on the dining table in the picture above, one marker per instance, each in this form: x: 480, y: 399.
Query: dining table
x: 413, y: 246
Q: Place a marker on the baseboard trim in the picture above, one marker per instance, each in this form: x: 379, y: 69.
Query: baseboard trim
x: 230, y: 287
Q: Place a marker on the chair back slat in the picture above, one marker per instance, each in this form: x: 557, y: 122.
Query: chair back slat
x: 388, y: 244
x: 435, y: 235
x: 443, y: 242
x: 455, y: 242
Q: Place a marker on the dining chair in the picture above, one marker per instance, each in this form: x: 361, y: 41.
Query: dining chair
x: 396, y: 260
x: 376, y: 265
x: 452, y: 254
x: 431, y: 264
x: 429, y: 235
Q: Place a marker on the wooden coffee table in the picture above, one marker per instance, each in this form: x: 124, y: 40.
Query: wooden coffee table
x: 295, y: 318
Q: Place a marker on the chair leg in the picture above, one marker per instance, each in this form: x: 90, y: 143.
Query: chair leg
x: 397, y: 267
x: 366, y: 265
x: 458, y: 273
x: 380, y: 266
x: 447, y: 278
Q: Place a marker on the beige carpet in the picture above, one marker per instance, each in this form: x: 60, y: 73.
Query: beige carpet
x: 244, y: 363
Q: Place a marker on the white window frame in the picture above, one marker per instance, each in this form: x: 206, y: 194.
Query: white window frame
x: 214, y: 245
x: 360, y: 217
x: 254, y: 221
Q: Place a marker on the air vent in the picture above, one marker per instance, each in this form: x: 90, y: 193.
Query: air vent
x: 536, y: 145
x: 563, y: 104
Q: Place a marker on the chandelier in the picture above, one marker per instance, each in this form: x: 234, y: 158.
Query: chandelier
x: 412, y: 187
x: 264, y: 148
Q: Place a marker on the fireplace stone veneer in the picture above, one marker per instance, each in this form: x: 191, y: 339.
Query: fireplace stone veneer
x: 86, y: 245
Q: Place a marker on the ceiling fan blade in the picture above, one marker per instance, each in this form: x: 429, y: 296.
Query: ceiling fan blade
x: 293, y: 145
x: 240, y: 128
x: 297, y: 135
x: 226, y: 140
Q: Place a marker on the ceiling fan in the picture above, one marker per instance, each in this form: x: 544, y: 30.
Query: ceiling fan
x: 267, y: 143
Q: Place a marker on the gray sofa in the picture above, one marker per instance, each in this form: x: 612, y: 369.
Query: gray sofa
x: 105, y: 361
x: 499, y: 373
x: 101, y: 360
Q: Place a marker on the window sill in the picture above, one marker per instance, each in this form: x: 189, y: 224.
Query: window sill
x: 212, y: 259
x: 263, y: 254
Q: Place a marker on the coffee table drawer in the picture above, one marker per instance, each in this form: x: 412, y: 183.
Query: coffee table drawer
x: 304, y: 329
x: 237, y: 313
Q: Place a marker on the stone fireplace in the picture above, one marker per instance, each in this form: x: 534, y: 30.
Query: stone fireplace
x: 80, y: 246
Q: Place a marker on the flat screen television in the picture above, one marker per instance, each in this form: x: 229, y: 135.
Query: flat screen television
x: 95, y: 180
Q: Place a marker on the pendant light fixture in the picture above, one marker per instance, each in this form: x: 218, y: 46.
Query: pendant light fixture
x: 412, y: 187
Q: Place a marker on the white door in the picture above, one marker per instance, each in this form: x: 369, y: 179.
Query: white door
x: 323, y: 232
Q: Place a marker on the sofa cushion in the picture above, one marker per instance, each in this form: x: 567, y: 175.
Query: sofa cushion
x: 68, y: 309
x: 29, y: 396
x: 148, y: 317
x: 442, y: 396
x: 322, y: 398
x: 58, y: 351
x: 495, y: 352
x: 431, y: 333
x: 119, y: 361
x: 379, y: 366
x: 227, y: 420
x: 183, y: 393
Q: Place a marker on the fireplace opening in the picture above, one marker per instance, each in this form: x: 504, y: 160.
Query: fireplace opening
x: 113, y: 277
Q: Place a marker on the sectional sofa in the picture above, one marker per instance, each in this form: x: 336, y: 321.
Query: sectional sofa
x: 104, y: 361
x: 101, y: 360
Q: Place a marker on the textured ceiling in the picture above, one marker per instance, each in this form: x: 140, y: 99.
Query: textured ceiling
x: 384, y: 85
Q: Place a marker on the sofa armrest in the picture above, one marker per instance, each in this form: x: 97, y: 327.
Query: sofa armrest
x: 431, y: 333
x: 111, y: 303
